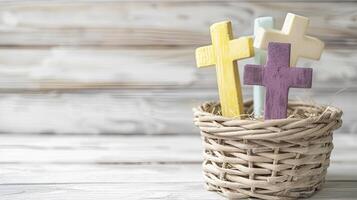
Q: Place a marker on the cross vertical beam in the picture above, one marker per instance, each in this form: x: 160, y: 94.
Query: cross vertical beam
x: 223, y: 52
x: 260, y: 59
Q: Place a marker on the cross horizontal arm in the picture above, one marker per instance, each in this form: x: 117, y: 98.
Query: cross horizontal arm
x: 241, y: 48
x: 313, y: 47
x: 300, y: 77
x: 253, y: 74
x: 205, y: 56
x: 264, y: 36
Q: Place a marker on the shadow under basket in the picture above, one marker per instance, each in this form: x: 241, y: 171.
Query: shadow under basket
x: 267, y: 159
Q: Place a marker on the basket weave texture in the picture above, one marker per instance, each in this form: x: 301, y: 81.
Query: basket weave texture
x: 267, y: 159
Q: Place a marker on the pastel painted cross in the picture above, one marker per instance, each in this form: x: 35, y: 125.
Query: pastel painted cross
x: 260, y: 59
x: 293, y: 32
x: 277, y: 77
x: 223, y: 52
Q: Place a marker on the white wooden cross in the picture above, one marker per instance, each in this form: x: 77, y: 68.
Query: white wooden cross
x: 293, y: 32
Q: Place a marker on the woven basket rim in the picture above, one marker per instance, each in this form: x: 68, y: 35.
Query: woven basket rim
x: 212, y: 125
x: 327, y: 110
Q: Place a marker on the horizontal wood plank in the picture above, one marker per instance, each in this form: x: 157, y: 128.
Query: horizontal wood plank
x: 58, y: 174
x: 99, y: 150
x: 135, y: 191
x: 41, y: 170
x: 115, y: 150
x: 50, y: 173
x: 131, y: 112
x: 45, y: 173
x: 117, y: 23
x: 89, y: 68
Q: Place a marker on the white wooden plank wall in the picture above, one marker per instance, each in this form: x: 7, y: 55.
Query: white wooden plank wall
x: 127, y: 67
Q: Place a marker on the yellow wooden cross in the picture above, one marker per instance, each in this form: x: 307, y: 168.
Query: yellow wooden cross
x: 223, y: 52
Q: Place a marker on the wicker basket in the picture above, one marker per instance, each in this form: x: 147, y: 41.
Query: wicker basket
x: 272, y: 159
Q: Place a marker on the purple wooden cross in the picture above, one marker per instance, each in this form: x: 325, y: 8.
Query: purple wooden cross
x: 277, y: 77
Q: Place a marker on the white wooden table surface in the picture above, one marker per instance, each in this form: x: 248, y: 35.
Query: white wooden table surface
x: 35, y: 167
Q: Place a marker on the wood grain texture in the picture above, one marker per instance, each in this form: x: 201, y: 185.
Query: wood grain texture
x: 57, y: 174
x: 130, y: 112
x: 164, y: 191
x: 90, y: 68
x: 41, y: 23
x: 110, y: 167
x: 100, y: 150
x: 111, y: 112
x: 97, y: 68
x: 115, y: 150
x: 58, y: 60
